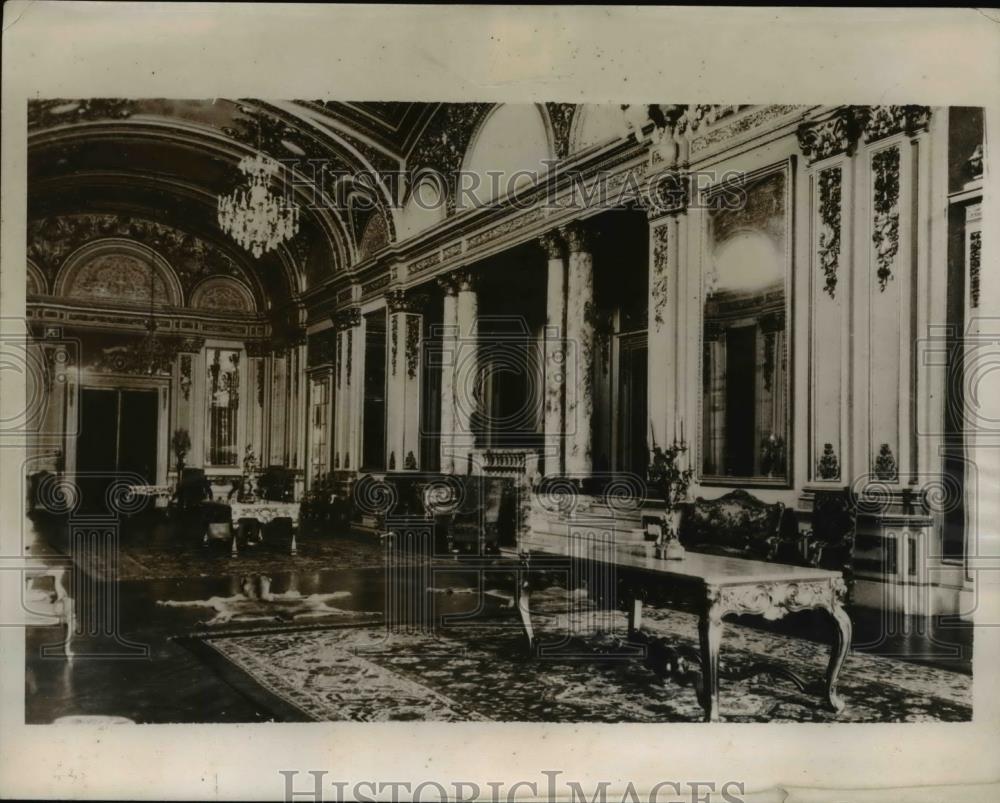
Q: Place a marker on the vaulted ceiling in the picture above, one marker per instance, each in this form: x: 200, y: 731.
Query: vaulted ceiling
x: 165, y: 162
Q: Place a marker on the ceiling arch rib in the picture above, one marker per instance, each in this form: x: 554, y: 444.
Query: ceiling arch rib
x: 160, y: 212
x: 219, y: 150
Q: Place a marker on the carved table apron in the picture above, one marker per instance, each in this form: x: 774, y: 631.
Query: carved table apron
x: 729, y: 586
x: 265, y: 512
x: 161, y: 494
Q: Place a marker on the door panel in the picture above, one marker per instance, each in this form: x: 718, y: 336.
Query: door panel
x: 118, y: 433
x: 633, y: 450
x: 97, y: 446
x: 137, y: 449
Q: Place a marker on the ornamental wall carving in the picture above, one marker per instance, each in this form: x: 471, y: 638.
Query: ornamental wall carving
x: 222, y: 294
x: 120, y: 274
x: 52, y: 239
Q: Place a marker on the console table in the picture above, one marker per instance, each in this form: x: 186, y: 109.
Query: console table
x: 161, y: 494
x: 265, y: 512
x: 727, y: 585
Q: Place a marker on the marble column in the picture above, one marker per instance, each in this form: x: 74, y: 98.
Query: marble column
x: 449, y: 347
x: 347, y: 406
x: 666, y: 339
x: 403, y: 374
x: 555, y: 354
x: 257, y: 354
x: 466, y: 368
x: 580, y: 316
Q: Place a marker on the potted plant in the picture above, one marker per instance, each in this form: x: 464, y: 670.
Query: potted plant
x: 181, y: 445
x: 672, y: 481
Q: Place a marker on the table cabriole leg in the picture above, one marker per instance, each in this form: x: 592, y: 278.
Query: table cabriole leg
x: 710, y: 636
x: 838, y: 653
x: 634, y: 612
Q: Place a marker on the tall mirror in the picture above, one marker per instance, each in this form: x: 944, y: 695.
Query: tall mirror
x: 745, y: 415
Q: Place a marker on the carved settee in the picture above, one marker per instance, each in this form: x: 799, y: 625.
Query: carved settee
x: 740, y: 525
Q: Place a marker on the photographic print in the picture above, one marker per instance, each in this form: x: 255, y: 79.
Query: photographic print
x: 514, y: 412
x: 498, y: 404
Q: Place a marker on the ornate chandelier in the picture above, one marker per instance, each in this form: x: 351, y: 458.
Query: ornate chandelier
x: 253, y: 216
x: 154, y: 356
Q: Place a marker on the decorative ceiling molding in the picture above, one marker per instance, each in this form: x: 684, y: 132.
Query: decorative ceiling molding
x: 222, y: 144
x: 223, y: 293
x: 52, y: 239
x: 62, y: 111
x: 561, y: 117
x: 836, y: 134
x: 884, y: 121
x: 375, y: 236
x: 112, y: 271
x: 443, y: 143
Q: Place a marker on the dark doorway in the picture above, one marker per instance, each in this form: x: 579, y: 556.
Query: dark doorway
x: 633, y: 452
x: 741, y: 351
x: 430, y: 403
x: 373, y: 446
x: 118, y: 435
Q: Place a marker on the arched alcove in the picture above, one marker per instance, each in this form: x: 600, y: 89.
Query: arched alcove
x: 118, y: 271
x: 375, y: 236
x: 223, y: 294
x: 508, y: 152
x: 35, y: 283
x: 425, y: 206
x: 596, y: 124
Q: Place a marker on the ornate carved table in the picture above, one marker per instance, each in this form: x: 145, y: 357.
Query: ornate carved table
x: 728, y: 585
x: 265, y: 512
x: 161, y: 494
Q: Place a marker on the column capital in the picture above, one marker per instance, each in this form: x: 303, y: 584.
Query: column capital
x: 400, y: 300
x: 289, y: 338
x: 577, y: 235
x: 457, y: 281
x: 837, y: 133
x: 668, y: 194
x: 468, y: 279
x: 192, y: 344
x: 257, y: 348
x: 448, y: 283
x: 347, y: 317
x: 552, y: 244
x: 883, y: 121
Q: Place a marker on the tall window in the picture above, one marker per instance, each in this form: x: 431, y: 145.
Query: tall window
x: 223, y: 406
x: 319, y: 422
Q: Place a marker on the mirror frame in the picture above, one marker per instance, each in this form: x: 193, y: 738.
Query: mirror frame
x: 787, y: 168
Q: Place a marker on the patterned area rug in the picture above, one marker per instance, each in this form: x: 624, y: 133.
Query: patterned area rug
x: 147, y: 561
x: 479, y: 670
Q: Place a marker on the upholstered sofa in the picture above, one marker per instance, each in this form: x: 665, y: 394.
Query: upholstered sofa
x: 740, y: 525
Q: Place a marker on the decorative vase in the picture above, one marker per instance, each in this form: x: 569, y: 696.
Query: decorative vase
x: 673, y: 550
x: 672, y: 520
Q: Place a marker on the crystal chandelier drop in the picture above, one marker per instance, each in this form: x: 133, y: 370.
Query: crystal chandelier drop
x: 252, y: 215
x: 154, y: 356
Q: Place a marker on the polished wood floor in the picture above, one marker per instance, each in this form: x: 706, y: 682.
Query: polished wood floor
x: 148, y: 672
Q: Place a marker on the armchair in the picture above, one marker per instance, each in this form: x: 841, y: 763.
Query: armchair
x: 193, y: 506
x: 276, y: 484
x: 484, y: 516
x: 830, y: 542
